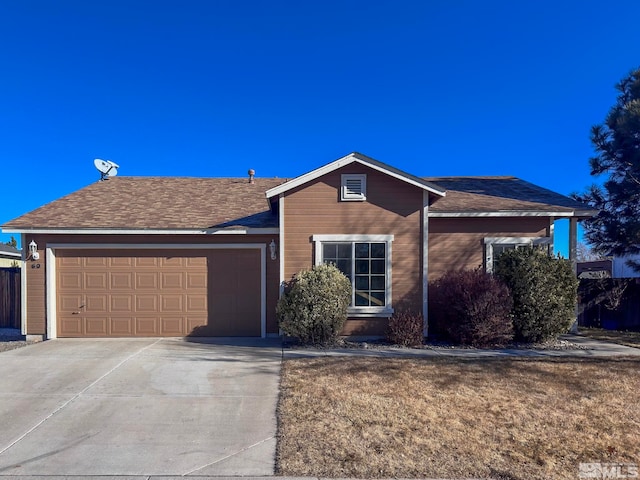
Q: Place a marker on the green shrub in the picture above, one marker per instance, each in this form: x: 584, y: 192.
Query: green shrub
x: 405, y: 328
x: 313, y: 308
x: 544, y: 290
x: 471, y: 307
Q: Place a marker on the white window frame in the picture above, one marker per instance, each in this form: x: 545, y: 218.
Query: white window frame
x: 345, y: 196
x: 353, y: 311
x: 489, y: 242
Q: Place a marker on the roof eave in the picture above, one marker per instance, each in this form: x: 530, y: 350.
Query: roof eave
x: 239, y: 230
x: 515, y: 213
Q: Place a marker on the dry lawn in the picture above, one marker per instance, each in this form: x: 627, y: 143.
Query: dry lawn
x: 630, y: 339
x: 456, y: 418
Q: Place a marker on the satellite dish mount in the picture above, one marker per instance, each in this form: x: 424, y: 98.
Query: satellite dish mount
x: 107, y: 168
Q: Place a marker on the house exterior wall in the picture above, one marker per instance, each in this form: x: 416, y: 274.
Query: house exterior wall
x: 392, y: 207
x: 458, y: 243
x: 36, y: 304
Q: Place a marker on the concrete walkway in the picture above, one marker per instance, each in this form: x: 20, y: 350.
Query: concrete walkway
x: 588, y: 348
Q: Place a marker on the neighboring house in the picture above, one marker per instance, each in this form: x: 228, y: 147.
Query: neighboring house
x: 207, y: 256
x: 594, y: 269
x: 9, y: 256
x: 620, y: 269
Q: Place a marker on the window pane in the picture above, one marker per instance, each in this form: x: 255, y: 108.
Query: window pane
x: 362, y: 282
x: 362, y: 266
x: 329, y: 251
x: 344, y: 250
x: 378, y: 250
x: 377, y: 266
x: 345, y: 267
x: 362, y: 250
x: 377, y: 282
x: 362, y: 299
x: 377, y: 299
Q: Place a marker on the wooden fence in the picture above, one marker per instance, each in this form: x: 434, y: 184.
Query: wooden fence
x: 10, y: 298
x: 609, y: 303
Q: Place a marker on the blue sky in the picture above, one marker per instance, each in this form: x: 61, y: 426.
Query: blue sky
x: 213, y: 88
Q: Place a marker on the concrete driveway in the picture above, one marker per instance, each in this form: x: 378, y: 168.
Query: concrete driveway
x: 139, y: 407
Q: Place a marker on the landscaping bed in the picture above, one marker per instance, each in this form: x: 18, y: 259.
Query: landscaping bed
x: 456, y: 418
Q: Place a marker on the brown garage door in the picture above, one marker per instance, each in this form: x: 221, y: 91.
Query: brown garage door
x: 149, y: 293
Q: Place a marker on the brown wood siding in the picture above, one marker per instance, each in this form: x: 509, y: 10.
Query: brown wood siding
x: 392, y: 208
x: 36, y: 293
x: 458, y: 243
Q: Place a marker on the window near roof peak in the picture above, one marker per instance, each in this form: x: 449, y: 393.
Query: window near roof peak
x: 353, y: 187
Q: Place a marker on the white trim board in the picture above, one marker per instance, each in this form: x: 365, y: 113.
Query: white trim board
x: 355, y: 158
x: 51, y: 306
x: 510, y: 213
x: 143, y: 231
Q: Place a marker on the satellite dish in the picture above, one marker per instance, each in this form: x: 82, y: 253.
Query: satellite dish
x: 107, y: 168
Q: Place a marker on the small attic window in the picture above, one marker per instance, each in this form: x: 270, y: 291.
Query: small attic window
x: 353, y: 188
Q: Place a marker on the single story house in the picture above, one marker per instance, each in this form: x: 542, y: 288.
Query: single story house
x: 137, y: 256
x: 9, y: 256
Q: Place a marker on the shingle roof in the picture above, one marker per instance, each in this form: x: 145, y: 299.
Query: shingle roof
x: 9, y: 251
x: 158, y: 203
x: 500, y: 194
x: 168, y: 203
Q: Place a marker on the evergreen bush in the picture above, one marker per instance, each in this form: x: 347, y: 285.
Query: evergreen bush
x: 544, y: 291
x: 313, y: 307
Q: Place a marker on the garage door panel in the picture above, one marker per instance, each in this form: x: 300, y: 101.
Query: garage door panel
x: 69, y: 303
x: 147, y: 326
x: 171, y: 303
x: 196, y: 262
x: 96, y: 304
x: 147, y: 280
x: 173, y: 326
x: 196, y: 280
x: 70, y: 261
x: 95, y: 262
x: 146, y: 262
x: 158, y: 293
x: 96, y: 326
x: 177, y: 262
x: 122, y: 327
x: 72, y: 326
x: 95, y: 280
x: 121, y: 280
x: 121, y: 303
x: 146, y: 303
x: 171, y: 280
x: 120, y: 262
x: 70, y: 280
x: 197, y: 303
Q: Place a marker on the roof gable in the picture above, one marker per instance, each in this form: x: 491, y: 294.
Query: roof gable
x: 363, y: 160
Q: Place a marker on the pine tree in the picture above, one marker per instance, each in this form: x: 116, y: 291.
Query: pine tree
x: 616, y: 229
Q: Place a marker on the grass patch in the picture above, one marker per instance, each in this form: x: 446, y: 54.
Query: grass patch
x: 630, y: 339
x: 456, y: 418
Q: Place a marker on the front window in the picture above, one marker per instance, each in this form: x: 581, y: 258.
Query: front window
x: 494, y: 247
x: 365, y: 260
